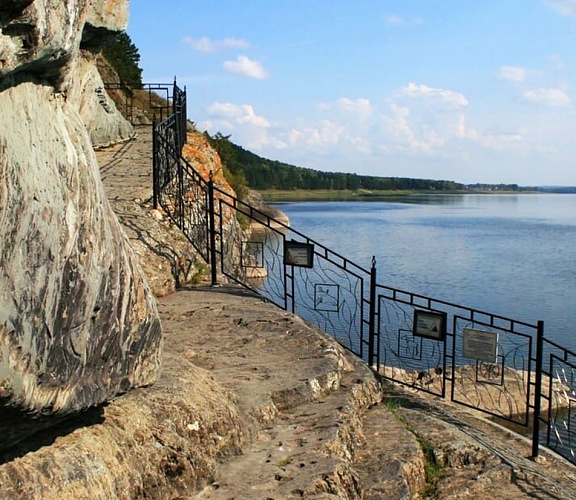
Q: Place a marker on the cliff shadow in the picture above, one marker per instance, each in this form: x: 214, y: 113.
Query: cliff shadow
x: 22, y: 433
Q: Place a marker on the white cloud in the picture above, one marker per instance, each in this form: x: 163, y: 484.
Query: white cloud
x: 361, y: 108
x: 245, y: 66
x: 447, y: 98
x: 396, y: 21
x: 432, y: 122
x: 556, y: 98
x: 241, y: 114
x: 564, y: 7
x: 502, y: 142
x: 327, y: 133
x: 490, y: 140
x: 240, y: 120
x: 207, y: 45
x: 512, y: 73
x: 328, y: 138
x: 420, y: 126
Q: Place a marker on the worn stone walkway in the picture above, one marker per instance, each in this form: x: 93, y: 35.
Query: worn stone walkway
x: 309, y: 413
x: 165, y: 254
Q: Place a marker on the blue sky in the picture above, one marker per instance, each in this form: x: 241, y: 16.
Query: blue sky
x: 471, y: 91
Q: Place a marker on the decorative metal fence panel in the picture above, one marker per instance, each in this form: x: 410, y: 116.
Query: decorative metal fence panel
x: 558, y: 414
x: 486, y: 362
x: 497, y: 365
x: 157, y: 104
x: 320, y: 285
x: 493, y: 365
x: 411, y: 359
x: 195, y: 210
x: 167, y: 169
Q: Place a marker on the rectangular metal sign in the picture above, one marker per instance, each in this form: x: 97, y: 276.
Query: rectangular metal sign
x: 428, y: 324
x: 480, y: 345
x: 298, y: 254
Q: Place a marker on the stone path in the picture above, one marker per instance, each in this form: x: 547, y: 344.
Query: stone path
x: 165, y: 254
x: 312, y: 423
x: 301, y: 396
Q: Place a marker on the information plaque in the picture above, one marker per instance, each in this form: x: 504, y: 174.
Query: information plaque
x: 480, y: 345
x: 428, y: 324
x: 298, y: 254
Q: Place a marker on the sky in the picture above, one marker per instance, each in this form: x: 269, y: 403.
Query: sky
x: 471, y: 91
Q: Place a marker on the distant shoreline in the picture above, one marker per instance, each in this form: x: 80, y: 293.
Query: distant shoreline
x: 363, y: 194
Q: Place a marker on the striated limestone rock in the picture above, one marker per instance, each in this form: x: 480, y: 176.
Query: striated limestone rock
x: 78, y: 323
x: 39, y: 37
x: 110, y: 15
x: 105, y: 124
x: 41, y: 40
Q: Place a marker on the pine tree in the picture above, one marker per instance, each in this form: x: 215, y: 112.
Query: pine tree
x: 124, y: 57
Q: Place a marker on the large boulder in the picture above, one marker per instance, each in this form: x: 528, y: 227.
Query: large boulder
x: 78, y: 324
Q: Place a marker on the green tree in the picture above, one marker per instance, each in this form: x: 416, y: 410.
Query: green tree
x: 124, y: 57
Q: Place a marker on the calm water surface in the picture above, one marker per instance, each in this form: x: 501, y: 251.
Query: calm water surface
x: 513, y: 255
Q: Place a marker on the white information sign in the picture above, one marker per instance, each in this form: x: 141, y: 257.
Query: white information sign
x: 480, y: 345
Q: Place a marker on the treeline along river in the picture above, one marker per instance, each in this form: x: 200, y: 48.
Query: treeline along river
x: 513, y: 255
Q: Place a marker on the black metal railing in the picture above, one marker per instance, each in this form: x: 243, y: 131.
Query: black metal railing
x: 486, y: 360
x: 154, y: 101
x: 497, y: 365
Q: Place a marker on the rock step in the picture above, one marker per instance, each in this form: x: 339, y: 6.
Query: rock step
x: 307, y: 452
x: 391, y: 462
x: 270, y: 359
x: 307, y: 404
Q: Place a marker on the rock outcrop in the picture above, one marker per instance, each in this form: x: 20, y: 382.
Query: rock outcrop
x: 103, y: 120
x: 78, y: 323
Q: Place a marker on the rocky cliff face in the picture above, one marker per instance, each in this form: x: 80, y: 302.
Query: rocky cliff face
x: 105, y: 124
x: 78, y: 323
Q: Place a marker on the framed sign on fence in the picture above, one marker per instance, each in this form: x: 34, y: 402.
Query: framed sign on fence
x: 480, y: 345
x: 298, y: 254
x: 430, y: 325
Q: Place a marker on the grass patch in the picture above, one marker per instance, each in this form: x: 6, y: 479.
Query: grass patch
x: 392, y: 406
x: 432, y: 468
x: 284, y: 462
x: 243, y: 220
x: 201, y: 271
x: 329, y: 195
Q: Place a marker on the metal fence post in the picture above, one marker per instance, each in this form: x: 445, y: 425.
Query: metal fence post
x: 372, y: 319
x: 155, y: 180
x: 212, y: 229
x: 538, y: 389
x: 174, y: 97
x: 181, y: 192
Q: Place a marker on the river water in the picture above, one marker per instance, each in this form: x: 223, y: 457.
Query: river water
x: 513, y: 255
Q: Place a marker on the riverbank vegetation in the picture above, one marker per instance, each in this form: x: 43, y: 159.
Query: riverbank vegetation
x: 278, y: 181
x: 266, y: 175
x: 274, y: 195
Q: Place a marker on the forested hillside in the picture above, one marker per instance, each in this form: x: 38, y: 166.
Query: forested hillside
x: 262, y: 174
